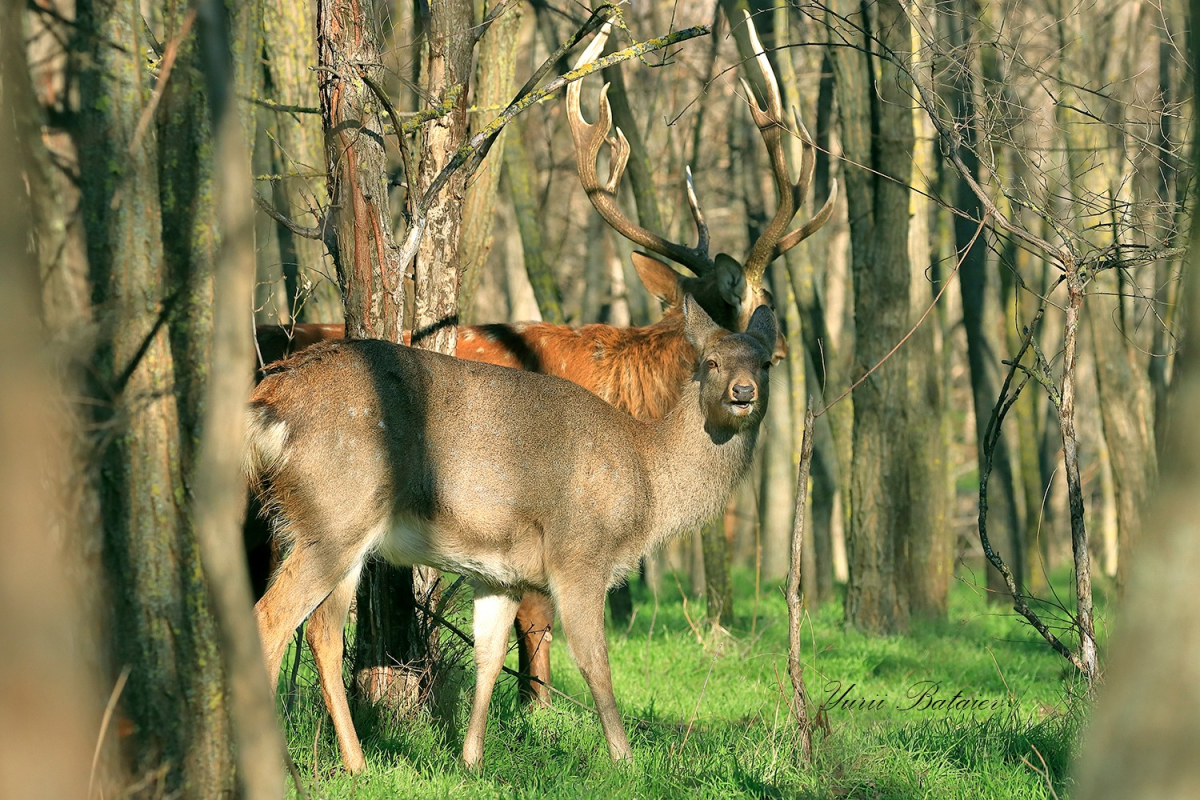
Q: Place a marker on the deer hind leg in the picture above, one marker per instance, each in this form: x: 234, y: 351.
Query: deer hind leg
x: 535, y: 619
x: 325, y: 634
x: 307, y: 576
x: 581, y: 610
x: 494, y: 611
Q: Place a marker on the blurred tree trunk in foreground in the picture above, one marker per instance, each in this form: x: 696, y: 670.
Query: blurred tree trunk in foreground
x: 1149, y: 706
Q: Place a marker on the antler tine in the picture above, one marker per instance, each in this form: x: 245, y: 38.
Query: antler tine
x: 808, y: 163
x: 697, y: 213
x: 808, y: 160
x: 589, y: 138
x: 770, y: 124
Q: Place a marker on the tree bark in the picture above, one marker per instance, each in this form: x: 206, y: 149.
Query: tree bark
x: 929, y: 566
x: 389, y: 655
x: 297, y: 157
x: 520, y: 173
x: 163, y: 621
x: 875, y: 100
x: 973, y: 280
x: 494, y: 88
x: 220, y: 493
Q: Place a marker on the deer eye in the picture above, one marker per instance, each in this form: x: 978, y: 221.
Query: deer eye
x: 711, y: 365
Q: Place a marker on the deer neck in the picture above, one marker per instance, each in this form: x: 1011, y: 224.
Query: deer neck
x: 693, y: 468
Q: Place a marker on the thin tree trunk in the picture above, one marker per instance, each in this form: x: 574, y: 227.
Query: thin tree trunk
x: 388, y: 655
x: 519, y: 172
x: 297, y: 156
x: 494, y: 88
x: 451, y: 42
x: 219, y: 487
x: 1079, y: 536
x: 973, y: 279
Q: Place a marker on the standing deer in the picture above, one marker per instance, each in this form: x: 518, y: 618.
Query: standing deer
x: 520, y: 482
x: 639, y: 369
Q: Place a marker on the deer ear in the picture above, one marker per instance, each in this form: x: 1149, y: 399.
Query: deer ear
x: 698, y: 327
x: 731, y: 279
x: 658, y: 278
x: 764, y: 327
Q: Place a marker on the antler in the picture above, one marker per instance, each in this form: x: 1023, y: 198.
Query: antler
x: 772, y: 243
x: 589, y: 138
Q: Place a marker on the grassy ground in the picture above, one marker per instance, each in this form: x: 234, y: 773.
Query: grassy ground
x: 711, y: 722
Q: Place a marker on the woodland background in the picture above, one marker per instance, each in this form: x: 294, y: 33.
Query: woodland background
x: 1015, y: 191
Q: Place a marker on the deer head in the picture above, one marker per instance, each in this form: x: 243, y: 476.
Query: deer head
x: 729, y: 290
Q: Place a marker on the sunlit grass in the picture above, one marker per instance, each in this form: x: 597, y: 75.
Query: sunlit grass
x: 714, y: 721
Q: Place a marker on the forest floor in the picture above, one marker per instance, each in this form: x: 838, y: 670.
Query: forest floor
x: 708, y: 721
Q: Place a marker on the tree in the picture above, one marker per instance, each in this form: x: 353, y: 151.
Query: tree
x: 874, y: 96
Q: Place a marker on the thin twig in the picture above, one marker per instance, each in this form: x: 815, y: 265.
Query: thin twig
x: 907, y: 336
x: 703, y: 688
x: 164, y: 73
x: 273, y: 213
x: 118, y: 687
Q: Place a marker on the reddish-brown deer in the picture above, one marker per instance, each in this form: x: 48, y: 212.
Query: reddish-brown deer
x: 520, y: 482
x: 638, y: 369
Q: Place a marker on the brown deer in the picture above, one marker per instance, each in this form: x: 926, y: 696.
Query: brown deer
x: 520, y: 482
x: 638, y: 369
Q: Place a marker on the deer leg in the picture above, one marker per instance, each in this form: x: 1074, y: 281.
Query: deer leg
x: 535, y: 619
x: 582, y: 613
x: 494, y: 612
x: 305, y: 579
x: 325, y: 634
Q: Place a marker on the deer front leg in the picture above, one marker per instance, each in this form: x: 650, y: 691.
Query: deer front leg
x: 494, y: 611
x: 535, y: 619
x: 582, y: 613
x: 325, y: 634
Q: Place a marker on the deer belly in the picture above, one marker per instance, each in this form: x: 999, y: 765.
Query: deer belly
x: 494, y: 557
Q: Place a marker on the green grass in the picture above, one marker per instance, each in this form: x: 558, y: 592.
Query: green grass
x: 708, y: 722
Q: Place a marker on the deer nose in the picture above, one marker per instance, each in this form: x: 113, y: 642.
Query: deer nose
x: 743, y: 392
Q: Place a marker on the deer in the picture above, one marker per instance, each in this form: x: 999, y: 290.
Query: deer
x: 637, y: 369
x: 515, y: 480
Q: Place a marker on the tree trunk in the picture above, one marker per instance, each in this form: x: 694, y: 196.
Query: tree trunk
x: 520, y: 174
x: 451, y: 42
x: 48, y: 671
x: 296, y: 156
x: 494, y: 88
x: 163, y: 622
x: 930, y: 553
x: 877, y: 127
x: 389, y: 654
x: 973, y: 279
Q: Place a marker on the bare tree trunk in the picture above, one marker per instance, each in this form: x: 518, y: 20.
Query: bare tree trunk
x: 494, y: 88
x: 974, y: 279
x: 1149, y: 706
x: 1079, y: 536
x: 49, y: 718
x: 387, y: 663
x: 520, y: 173
x: 297, y: 156
x: 163, y: 619
x: 451, y: 42
x: 877, y: 126
x: 219, y: 487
